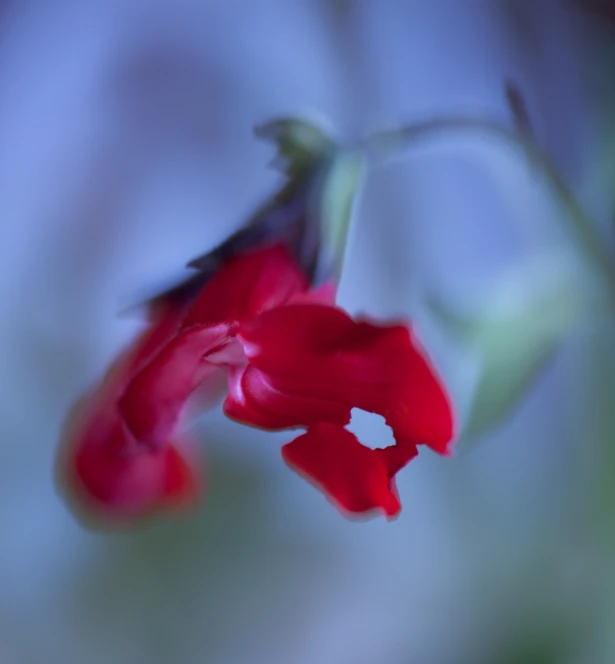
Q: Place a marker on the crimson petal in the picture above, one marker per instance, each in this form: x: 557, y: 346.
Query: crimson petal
x: 102, y: 466
x: 156, y: 397
x: 356, y: 478
x: 320, y: 351
x: 255, y: 400
x: 248, y: 284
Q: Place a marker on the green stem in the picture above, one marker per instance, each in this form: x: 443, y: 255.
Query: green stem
x: 580, y: 226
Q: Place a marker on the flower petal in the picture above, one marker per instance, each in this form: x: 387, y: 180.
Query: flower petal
x: 114, y: 479
x: 319, y: 351
x: 254, y: 400
x: 156, y: 397
x: 165, y: 319
x: 248, y: 284
x: 356, y: 478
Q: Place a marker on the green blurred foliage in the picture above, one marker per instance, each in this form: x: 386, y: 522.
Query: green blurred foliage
x: 218, y: 578
x: 523, y: 321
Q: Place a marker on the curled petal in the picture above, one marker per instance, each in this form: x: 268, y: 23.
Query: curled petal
x: 115, y: 479
x: 165, y: 320
x: 319, y: 351
x: 156, y: 397
x: 356, y: 478
x: 128, y: 486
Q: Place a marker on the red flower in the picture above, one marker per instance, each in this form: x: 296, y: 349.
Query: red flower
x: 118, y: 456
x: 292, y: 360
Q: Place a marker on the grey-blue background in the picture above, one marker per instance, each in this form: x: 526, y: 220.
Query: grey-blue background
x: 127, y: 149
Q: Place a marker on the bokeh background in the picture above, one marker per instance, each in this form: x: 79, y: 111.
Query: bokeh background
x: 127, y: 149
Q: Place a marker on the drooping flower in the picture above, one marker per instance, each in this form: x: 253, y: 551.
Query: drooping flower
x: 293, y: 362
x: 118, y: 455
x: 120, y: 468
x: 261, y: 313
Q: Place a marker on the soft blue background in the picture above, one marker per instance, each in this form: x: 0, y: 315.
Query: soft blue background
x: 126, y: 149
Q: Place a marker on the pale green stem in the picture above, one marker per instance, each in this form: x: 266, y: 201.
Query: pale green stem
x: 580, y: 227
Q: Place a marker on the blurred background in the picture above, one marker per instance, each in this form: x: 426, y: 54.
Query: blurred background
x: 127, y: 149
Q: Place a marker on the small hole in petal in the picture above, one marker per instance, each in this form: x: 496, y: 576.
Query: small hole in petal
x: 370, y: 429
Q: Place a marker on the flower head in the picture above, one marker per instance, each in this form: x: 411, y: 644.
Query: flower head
x: 261, y: 312
x: 294, y: 360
